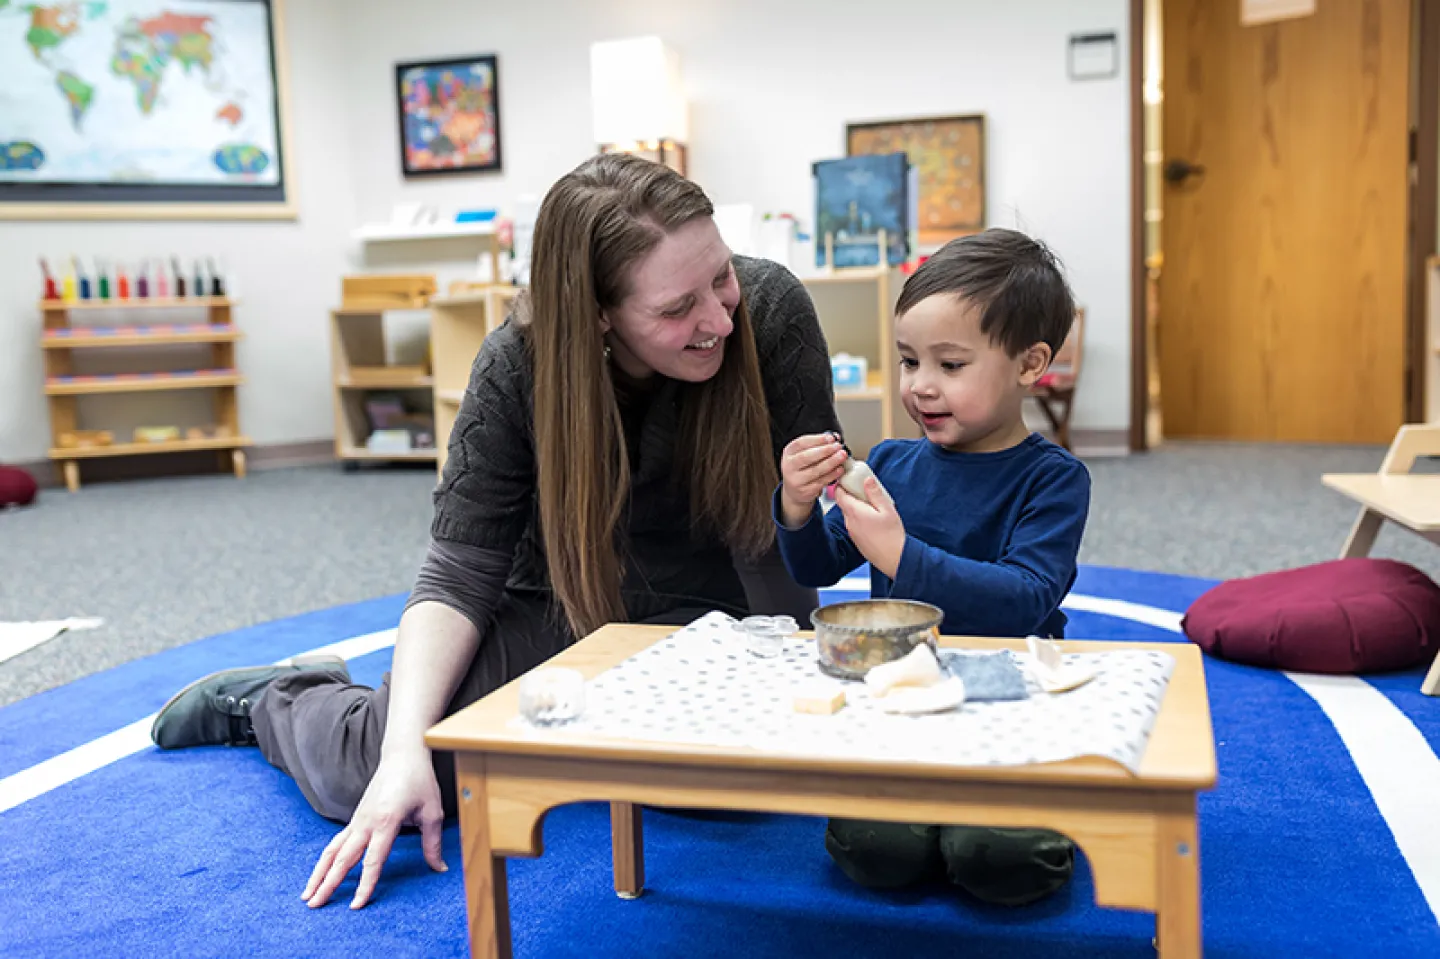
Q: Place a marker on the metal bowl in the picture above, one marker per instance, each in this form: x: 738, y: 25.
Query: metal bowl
x: 854, y: 637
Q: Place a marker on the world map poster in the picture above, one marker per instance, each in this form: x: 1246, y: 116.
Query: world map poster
x: 170, y: 100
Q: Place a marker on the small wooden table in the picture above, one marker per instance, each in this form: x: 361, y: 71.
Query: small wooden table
x: 1409, y: 500
x: 1138, y: 831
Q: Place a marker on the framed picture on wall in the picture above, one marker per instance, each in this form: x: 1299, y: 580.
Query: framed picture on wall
x: 449, y: 115
x: 948, y: 154
x: 131, y: 109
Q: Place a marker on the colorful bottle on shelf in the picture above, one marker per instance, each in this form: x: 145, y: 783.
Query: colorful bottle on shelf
x: 179, y: 279
x: 102, y: 280
x: 68, y: 287
x: 51, y: 293
x: 217, y: 288
x: 122, y: 283
x: 142, y: 282
x: 199, y: 289
x: 83, y: 280
x: 162, y: 283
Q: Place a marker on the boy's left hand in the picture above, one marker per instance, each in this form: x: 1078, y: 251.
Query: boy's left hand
x: 876, y: 530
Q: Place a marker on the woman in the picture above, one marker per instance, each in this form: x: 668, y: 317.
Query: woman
x: 613, y: 460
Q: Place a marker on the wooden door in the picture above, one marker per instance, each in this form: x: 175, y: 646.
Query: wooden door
x: 1282, y: 302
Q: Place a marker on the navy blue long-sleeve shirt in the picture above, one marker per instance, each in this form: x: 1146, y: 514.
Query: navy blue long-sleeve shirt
x: 991, y: 538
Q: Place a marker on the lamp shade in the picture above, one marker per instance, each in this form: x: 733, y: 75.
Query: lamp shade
x: 635, y: 92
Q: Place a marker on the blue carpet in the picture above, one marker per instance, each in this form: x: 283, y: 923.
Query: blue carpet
x: 204, y: 853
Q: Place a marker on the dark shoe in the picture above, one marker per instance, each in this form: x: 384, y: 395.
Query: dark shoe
x: 215, y: 710
x: 1007, y: 867
x: 883, y: 855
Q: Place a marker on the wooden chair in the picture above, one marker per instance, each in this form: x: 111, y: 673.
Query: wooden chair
x: 1395, y: 494
x: 1055, y: 391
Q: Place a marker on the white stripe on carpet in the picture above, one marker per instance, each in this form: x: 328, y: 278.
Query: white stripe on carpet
x: 1122, y: 609
x: 16, y: 638
x: 69, y: 766
x: 1396, y: 763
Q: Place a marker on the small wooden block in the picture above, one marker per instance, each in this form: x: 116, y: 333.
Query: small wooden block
x: 821, y: 701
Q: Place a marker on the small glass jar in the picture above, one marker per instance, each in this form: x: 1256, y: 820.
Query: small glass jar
x: 552, y: 696
x: 786, y: 624
x: 763, y: 636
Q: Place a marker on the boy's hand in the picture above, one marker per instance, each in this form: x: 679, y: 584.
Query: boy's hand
x: 808, y: 465
x: 876, y: 530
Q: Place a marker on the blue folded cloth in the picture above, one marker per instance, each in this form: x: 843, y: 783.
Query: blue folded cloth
x: 988, y: 677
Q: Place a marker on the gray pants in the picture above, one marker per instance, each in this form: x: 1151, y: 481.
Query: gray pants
x: 326, y: 733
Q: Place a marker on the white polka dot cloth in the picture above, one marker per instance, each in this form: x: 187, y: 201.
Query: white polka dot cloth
x: 702, y: 686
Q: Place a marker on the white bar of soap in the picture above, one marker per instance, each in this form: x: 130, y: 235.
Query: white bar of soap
x: 854, y: 477
x: 819, y: 700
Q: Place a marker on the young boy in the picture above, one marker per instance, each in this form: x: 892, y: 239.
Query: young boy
x: 983, y: 519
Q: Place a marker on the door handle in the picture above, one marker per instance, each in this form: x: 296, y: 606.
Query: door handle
x: 1177, y: 171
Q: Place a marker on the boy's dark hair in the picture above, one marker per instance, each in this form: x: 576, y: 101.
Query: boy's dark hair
x: 1015, y: 282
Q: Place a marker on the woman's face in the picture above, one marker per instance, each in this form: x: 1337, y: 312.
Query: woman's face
x: 678, y: 313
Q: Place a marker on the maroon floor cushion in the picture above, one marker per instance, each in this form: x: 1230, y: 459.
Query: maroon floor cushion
x: 1345, y: 616
x: 17, y: 487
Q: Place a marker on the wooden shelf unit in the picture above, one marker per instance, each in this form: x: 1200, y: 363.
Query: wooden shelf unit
x: 856, y: 309
x: 63, y: 386
x: 359, y: 369
x: 459, y: 323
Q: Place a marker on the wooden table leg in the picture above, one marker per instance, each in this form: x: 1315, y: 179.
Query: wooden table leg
x: 487, y: 897
x: 72, y: 475
x: 1177, y: 892
x: 627, y: 840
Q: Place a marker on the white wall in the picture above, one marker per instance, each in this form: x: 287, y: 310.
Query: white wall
x: 772, y: 84
x: 286, y: 273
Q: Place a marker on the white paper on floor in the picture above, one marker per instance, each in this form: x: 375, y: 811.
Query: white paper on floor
x: 701, y: 686
x: 16, y: 638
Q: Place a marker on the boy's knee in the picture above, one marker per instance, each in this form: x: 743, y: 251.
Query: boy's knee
x: 883, y: 855
x: 1009, y: 867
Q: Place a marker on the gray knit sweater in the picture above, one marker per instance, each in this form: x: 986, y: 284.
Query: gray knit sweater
x: 486, y: 528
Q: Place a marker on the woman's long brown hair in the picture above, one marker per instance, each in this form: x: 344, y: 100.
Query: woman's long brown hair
x: 594, y: 226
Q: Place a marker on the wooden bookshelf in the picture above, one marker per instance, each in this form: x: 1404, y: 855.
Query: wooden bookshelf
x: 459, y: 323
x: 856, y: 310
x: 360, y: 371
x: 61, y: 338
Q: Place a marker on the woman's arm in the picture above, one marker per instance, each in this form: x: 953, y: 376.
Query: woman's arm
x: 451, y: 606
x: 482, y: 504
x: 433, y: 651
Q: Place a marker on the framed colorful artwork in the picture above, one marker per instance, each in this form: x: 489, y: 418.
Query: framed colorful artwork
x: 948, y: 154
x: 127, y: 109
x: 449, y: 115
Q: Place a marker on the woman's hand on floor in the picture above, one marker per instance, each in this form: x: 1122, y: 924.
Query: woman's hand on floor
x: 403, y: 790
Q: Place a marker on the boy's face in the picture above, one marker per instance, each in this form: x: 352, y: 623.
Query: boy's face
x: 963, y: 390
